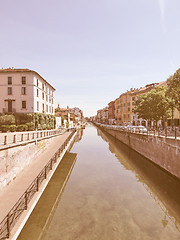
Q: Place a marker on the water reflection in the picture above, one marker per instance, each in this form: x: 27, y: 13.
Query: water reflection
x: 164, y: 188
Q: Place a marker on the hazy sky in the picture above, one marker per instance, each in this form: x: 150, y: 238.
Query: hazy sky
x: 91, y: 51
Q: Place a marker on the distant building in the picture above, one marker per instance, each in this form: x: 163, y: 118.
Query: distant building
x: 25, y: 91
x: 124, y: 105
x: 102, y: 115
x: 99, y: 115
x: 123, y: 109
x: 111, y: 112
x: 69, y: 116
x: 135, y: 120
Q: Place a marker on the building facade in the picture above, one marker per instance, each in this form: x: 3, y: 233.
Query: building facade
x: 123, y: 108
x: 111, y: 112
x: 25, y: 91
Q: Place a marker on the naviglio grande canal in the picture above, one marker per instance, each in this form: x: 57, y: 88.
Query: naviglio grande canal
x: 103, y: 190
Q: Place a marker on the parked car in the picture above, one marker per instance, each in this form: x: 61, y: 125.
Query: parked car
x: 141, y: 129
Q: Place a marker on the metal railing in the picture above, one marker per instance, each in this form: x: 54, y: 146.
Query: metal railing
x: 20, y: 137
x: 167, y: 132
x: 12, y: 217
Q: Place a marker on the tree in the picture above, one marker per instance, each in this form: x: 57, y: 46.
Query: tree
x: 173, y: 90
x: 154, y: 105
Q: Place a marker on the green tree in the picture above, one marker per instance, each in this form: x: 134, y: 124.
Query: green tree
x: 153, y: 106
x: 173, y: 90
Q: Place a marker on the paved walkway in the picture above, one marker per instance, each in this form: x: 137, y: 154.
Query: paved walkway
x: 10, y: 194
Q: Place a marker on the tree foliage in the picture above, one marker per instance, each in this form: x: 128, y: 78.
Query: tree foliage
x: 173, y: 90
x: 154, y: 105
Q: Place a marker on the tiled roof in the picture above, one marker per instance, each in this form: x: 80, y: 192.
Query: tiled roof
x: 14, y: 70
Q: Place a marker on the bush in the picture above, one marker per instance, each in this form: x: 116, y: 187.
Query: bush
x: 31, y: 126
x: 44, y: 127
x: 7, y: 119
x: 39, y: 127
x: 22, y: 127
x: 5, y: 128
x: 12, y: 128
x: 48, y: 127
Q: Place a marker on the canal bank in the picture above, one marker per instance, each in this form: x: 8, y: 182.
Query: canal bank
x: 18, y: 200
x: 163, y: 151
x: 112, y: 193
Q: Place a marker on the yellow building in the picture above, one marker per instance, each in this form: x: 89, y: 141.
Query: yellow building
x: 123, y: 108
x: 124, y: 105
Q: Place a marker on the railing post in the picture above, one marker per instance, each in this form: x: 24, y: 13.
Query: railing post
x: 25, y: 201
x: 14, y: 139
x: 45, y: 173
x: 22, y: 137
x: 33, y: 135
x: 8, y: 227
x: 5, y: 140
x: 27, y: 136
x: 37, y: 184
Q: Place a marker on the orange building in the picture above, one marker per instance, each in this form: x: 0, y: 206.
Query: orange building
x: 124, y: 105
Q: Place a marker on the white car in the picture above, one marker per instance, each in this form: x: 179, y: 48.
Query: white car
x: 141, y: 129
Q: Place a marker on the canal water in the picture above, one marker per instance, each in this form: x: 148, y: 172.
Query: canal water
x: 103, y: 190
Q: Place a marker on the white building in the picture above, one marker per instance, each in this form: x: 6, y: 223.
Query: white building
x: 25, y: 91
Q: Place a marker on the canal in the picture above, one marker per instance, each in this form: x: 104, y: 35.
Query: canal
x: 102, y: 190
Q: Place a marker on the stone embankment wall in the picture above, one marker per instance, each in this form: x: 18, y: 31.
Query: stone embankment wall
x: 13, y: 160
x: 164, y: 152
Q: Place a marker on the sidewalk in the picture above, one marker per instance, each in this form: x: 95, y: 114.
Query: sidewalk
x: 11, y: 193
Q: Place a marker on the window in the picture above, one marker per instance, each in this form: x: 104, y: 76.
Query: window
x: 23, y: 91
x: 50, y: 109
x: 46, y: 108
x: 37, y: 82
x: 23, y: 80
x: 52, y: 100
x: 133, y: 98
x: 128, y: 115
x: 9, y: 80
x: 46, y: 97
x: 128, y: 109
x: 9, y: 90
x: 37, y: 93
x: 37, y: 106
x: 43, y: 86
x: 24, y: 104
x: 43, y: 107
x: 42, y: 95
